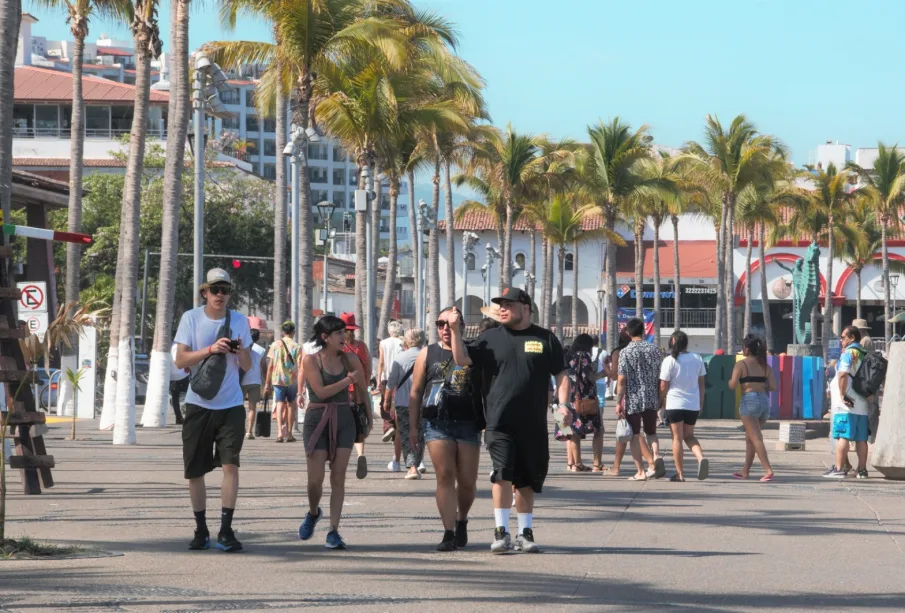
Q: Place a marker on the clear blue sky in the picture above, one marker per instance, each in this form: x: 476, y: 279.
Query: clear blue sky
x: 804, y: 70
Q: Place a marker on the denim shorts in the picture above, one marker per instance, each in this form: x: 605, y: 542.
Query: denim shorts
x: 285, y: 393
x: 755, y: 405
x: 463, y: 432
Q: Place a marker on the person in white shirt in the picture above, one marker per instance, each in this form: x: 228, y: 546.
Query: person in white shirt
x: 179, y: 385
x: 214, y: 427
x: 388, y: 349
x: 682, y: 376
x: 252, y: 381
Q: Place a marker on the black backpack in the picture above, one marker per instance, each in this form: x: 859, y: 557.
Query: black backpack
x: 870, y: 374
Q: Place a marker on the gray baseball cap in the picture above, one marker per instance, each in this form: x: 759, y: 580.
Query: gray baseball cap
x: 218, y: 275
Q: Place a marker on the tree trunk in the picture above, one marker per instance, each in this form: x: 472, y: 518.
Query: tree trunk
x: 858, y: 295
x: 414, y: 237
x: 764, y: 295
x: 574, y: 314
x: 156, y: 400
x: 721, y: 279
x: 828, y: 300
x: 371, y: 329
x: 677, y: 282
x: 887, y: 298
x: 728, y: 287
x: 657, y: 223
x: 560, y: 307
x: 748, y: 253
x: 548, y: 284
x: 433, y: 255
x: 361, y: 248
x: 76, y: 168
x: 280, y: 218
x: 305, y: 324
x: 506, y: 267
x: 611, y: 326
x: 124, y: 422
x: 450, y: 244
x: 10, y: 17
x: 532, y: 263
x: 639, y: 269
x: 389, y: 287
x: 815, y: 310
x: 108, y: 410
x: 545, y: 282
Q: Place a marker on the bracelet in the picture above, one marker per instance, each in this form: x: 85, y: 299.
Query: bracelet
x: 210, y: 350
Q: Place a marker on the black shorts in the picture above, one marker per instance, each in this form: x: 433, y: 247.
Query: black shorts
x: 647, y: 418
x: 686, y: 416
x: 520, y: 455
x: 211, y: 438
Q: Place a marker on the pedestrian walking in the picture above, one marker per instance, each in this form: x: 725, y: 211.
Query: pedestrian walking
x: 851, y: 423
x: 179, y: 385
x: 253, y: 379
x: 639, y: 383
x: 387, y: 351
x: 873, y: 403
x: 283, y: 361
x: 611, y: 368
x: 361, y: 351
x: 398, y: 389
x: 585, y: 416
x: 682, y: 377
x: 214, y: 342
x: 330, y: 427
x: 445, y: 410
x: 756, y: 380
x: 518, y: 358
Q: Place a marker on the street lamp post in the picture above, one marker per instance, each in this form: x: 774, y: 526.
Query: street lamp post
x: 893, y: 283
x: 326, y: 209
x: 425, y: 221
x: 492, y: 254
x: 601, y: 293
x: 469, y: 239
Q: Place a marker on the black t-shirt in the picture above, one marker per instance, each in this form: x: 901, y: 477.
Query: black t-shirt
x: 517, y: 366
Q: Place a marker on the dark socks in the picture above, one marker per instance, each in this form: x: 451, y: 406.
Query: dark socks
x: 226, y: 519
x: 201, y: 521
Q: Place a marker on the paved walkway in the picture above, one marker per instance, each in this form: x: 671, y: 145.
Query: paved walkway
x: 800, y: 543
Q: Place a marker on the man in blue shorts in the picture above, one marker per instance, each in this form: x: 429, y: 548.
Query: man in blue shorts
x: 850, y: 410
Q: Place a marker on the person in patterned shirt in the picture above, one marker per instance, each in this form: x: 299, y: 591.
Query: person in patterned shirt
x: 361, y: 351
x: 639, y: 383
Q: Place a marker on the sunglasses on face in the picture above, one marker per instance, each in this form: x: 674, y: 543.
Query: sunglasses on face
x: 442, y: 323
x: 216, y: 291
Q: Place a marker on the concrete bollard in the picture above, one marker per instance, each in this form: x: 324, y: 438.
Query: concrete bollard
x: 889, y: 450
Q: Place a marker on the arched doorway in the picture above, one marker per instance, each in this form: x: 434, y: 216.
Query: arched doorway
x: 567, y: 316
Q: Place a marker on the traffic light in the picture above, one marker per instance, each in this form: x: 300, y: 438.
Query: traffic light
x: 237, y: 264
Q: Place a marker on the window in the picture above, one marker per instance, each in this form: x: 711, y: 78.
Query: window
x: 339, y: 199
x: 339, y: 176
x: 129, y: 80
x: 23, y: 119
x: 339, y: 155
x: 270, y: 125
x: 121, y: 119
x: 250, y: 98
x: 251, y: 123
x: 384, y: 202
x: 353, y: 178
x: 520, y: 260
x: 230, y: 123
x: 46, y: 119
x: 270, y: 171
x: 97, y: 120
x: 569, y: 262
x: 470, y: 261
x: 270, y: 147
x: 318, y: 195
x: 232, y: 96
x: 317, y: 174
x: 408, y: 303
x: 252, y: 148
x: 317, y: 151
x: 402, y: 231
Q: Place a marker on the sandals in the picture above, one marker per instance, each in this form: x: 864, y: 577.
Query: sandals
x: 280, y: 439
x: 577, y: 468
x: 767, y: 478
x: 739, y: 476
x: 598, y: 468
x: 637, y: 478
x: 609, y: 472
x: 290, y: 439
x: 677, y: 479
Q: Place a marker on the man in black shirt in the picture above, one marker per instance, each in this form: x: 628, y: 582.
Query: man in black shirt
x: 518, y: 359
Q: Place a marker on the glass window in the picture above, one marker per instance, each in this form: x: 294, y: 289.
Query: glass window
x: 23, y: 119
x: 339, y: 198
x: 65, y: 120
x: 520, y: 260
x: 569, y: 262
x: 270, y: 147
x: 121, y: 119
x: 319, y: 195
x: 470, y: 261
x: 353, y: 177
x: 250, y: 98
x: 230, y: 123
x: 232, y: 96
x: 317, y: 151
x: 339, y: 176
x: 270, y: 171
x: 402, y: 231
x: 47, y: 119
x: 339, y: 154
x: 317, y: 174
x: 97, y: 120
x: 251, y: 147
x: 270, y: 125
x: 251, y: 123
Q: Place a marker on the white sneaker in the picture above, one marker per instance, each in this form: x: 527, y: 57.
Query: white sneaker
x: 421, y: 468
x: 393, y: 466
x: 413, y: 476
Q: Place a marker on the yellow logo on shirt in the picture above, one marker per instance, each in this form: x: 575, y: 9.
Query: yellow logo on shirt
x: 534, y: 347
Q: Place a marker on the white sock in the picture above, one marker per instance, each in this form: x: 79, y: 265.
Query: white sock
x: 501, y: 516
x: 524, y: 521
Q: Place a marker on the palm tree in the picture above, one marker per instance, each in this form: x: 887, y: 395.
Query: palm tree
x: 611, y: 180
x: 10, y: 17
x: 178, y: 114
x: 146, y: 36
x: 731, y: 160
x: 859, y: 254
x: 754, y: 210
x: 885, y: 185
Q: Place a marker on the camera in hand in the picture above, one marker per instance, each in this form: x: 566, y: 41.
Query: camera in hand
x: 233, y: 345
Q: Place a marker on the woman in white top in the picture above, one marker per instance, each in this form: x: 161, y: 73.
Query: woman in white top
x: 389, y: 348
x: 682, y: 395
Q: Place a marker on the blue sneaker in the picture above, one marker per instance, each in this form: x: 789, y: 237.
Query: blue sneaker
x: 306, y: 530
x: 334, y: 541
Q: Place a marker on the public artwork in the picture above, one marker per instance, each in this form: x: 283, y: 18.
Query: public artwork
x: 805, y: 292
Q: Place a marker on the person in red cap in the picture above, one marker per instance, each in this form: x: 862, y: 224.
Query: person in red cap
x: 360, y: 349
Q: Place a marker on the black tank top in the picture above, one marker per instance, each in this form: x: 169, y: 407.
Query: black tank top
x: 463, y: 391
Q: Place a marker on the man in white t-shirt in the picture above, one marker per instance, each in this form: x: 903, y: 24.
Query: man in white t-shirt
x: 850, y: 409
x: 682, y: 376
x: 214, y: 427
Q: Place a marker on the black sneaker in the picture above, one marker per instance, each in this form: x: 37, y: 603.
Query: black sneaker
x: 461, y: 533
x: 226, y: 541
x: 449, y: 541
x: 862, y: 474
x: 201, y: 541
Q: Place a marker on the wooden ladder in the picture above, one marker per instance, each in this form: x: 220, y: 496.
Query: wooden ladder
x: 31, y: 455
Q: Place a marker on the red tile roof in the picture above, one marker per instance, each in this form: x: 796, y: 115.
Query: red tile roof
x: 480, y: 220
x: 113, y: 51
x: 696, y: 259
x: 93, y: 163
x: 33, y: 84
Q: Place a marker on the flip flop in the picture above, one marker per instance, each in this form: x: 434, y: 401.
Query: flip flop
x: 677, y: 479
x: 739, y: 476
x: 637, y: 478
x: 361, y: 470
x: 581, y: 468
x: 609, y: 472
x: 703, y: 469
x: 767, y: 478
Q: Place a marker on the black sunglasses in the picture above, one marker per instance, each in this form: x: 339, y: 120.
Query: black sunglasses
x: 216, y: 291
x: 441, y: 323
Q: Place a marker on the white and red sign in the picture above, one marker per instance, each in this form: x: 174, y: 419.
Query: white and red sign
x: 36, y: 323
x: 34, y: 297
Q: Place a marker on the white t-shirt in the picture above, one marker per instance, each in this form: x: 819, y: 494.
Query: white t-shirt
x: 849, y: 363
x: 253, y: 376
x: 197, y: 331
x: 684, y: 393
x: 391, y: 346
x: 176, y: 374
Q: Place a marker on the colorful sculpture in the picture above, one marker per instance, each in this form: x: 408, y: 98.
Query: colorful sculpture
x: 805, y: 292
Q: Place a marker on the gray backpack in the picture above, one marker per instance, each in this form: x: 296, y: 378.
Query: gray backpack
x: 207, y: 380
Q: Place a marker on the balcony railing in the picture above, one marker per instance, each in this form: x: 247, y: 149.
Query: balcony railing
x: 688, y: 318
x: 65, y: 133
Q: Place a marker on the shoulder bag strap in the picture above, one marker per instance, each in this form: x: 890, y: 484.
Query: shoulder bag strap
x: 289, y: 353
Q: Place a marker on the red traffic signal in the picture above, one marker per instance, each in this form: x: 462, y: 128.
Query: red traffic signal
x: 237, y: 264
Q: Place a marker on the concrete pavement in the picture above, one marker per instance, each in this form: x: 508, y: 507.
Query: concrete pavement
x: 801, y: 543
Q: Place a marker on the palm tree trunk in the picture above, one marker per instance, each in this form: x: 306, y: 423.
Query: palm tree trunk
x: 450, y: 243
x: 389, y: 287
x: 532, y: 263
x: 10, y: 17
x: 371, y: 329
x: 548, y: 284
x: 124, y: 421
x: 156, y: 404
x: 639, y: 270
x: 729, y: 271
x: 108, y: 410
x: 361, y: 247
x: 677, y: 310
x: 657, y: 282
x: 306, y: 238
x: 560, y: 307
x: 828, y: 299
x: 574, y: 289
x: 76, y: 165
x: 887, y: 298
x: 433, y: 255
x: 545, y: 281
x: 764, y: 296
x: 721, y: 279
x: 611, y: 326
x: 748, y: 253
x: 506, y: 267
x: 414, y: 237
x: 279, y: 216
x: 858, y: 295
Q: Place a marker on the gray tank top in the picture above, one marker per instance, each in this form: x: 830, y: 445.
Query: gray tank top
x: 328, y: 379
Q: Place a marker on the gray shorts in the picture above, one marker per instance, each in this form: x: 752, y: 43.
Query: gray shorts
x: 345, y: 430
x: 755, y: 405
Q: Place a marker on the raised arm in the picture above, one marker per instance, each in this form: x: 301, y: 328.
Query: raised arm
x: 313, y: 377
x: 460, y: 354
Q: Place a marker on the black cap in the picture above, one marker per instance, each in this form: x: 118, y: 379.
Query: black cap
x: 515, y: 294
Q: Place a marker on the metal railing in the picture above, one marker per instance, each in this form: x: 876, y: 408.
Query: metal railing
x: 688, y: 318
x: 65, y: 133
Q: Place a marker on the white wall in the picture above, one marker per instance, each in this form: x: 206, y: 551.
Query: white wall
x: 830, y: 153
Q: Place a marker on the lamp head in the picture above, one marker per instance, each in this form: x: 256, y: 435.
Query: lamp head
x: 202, y: 62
